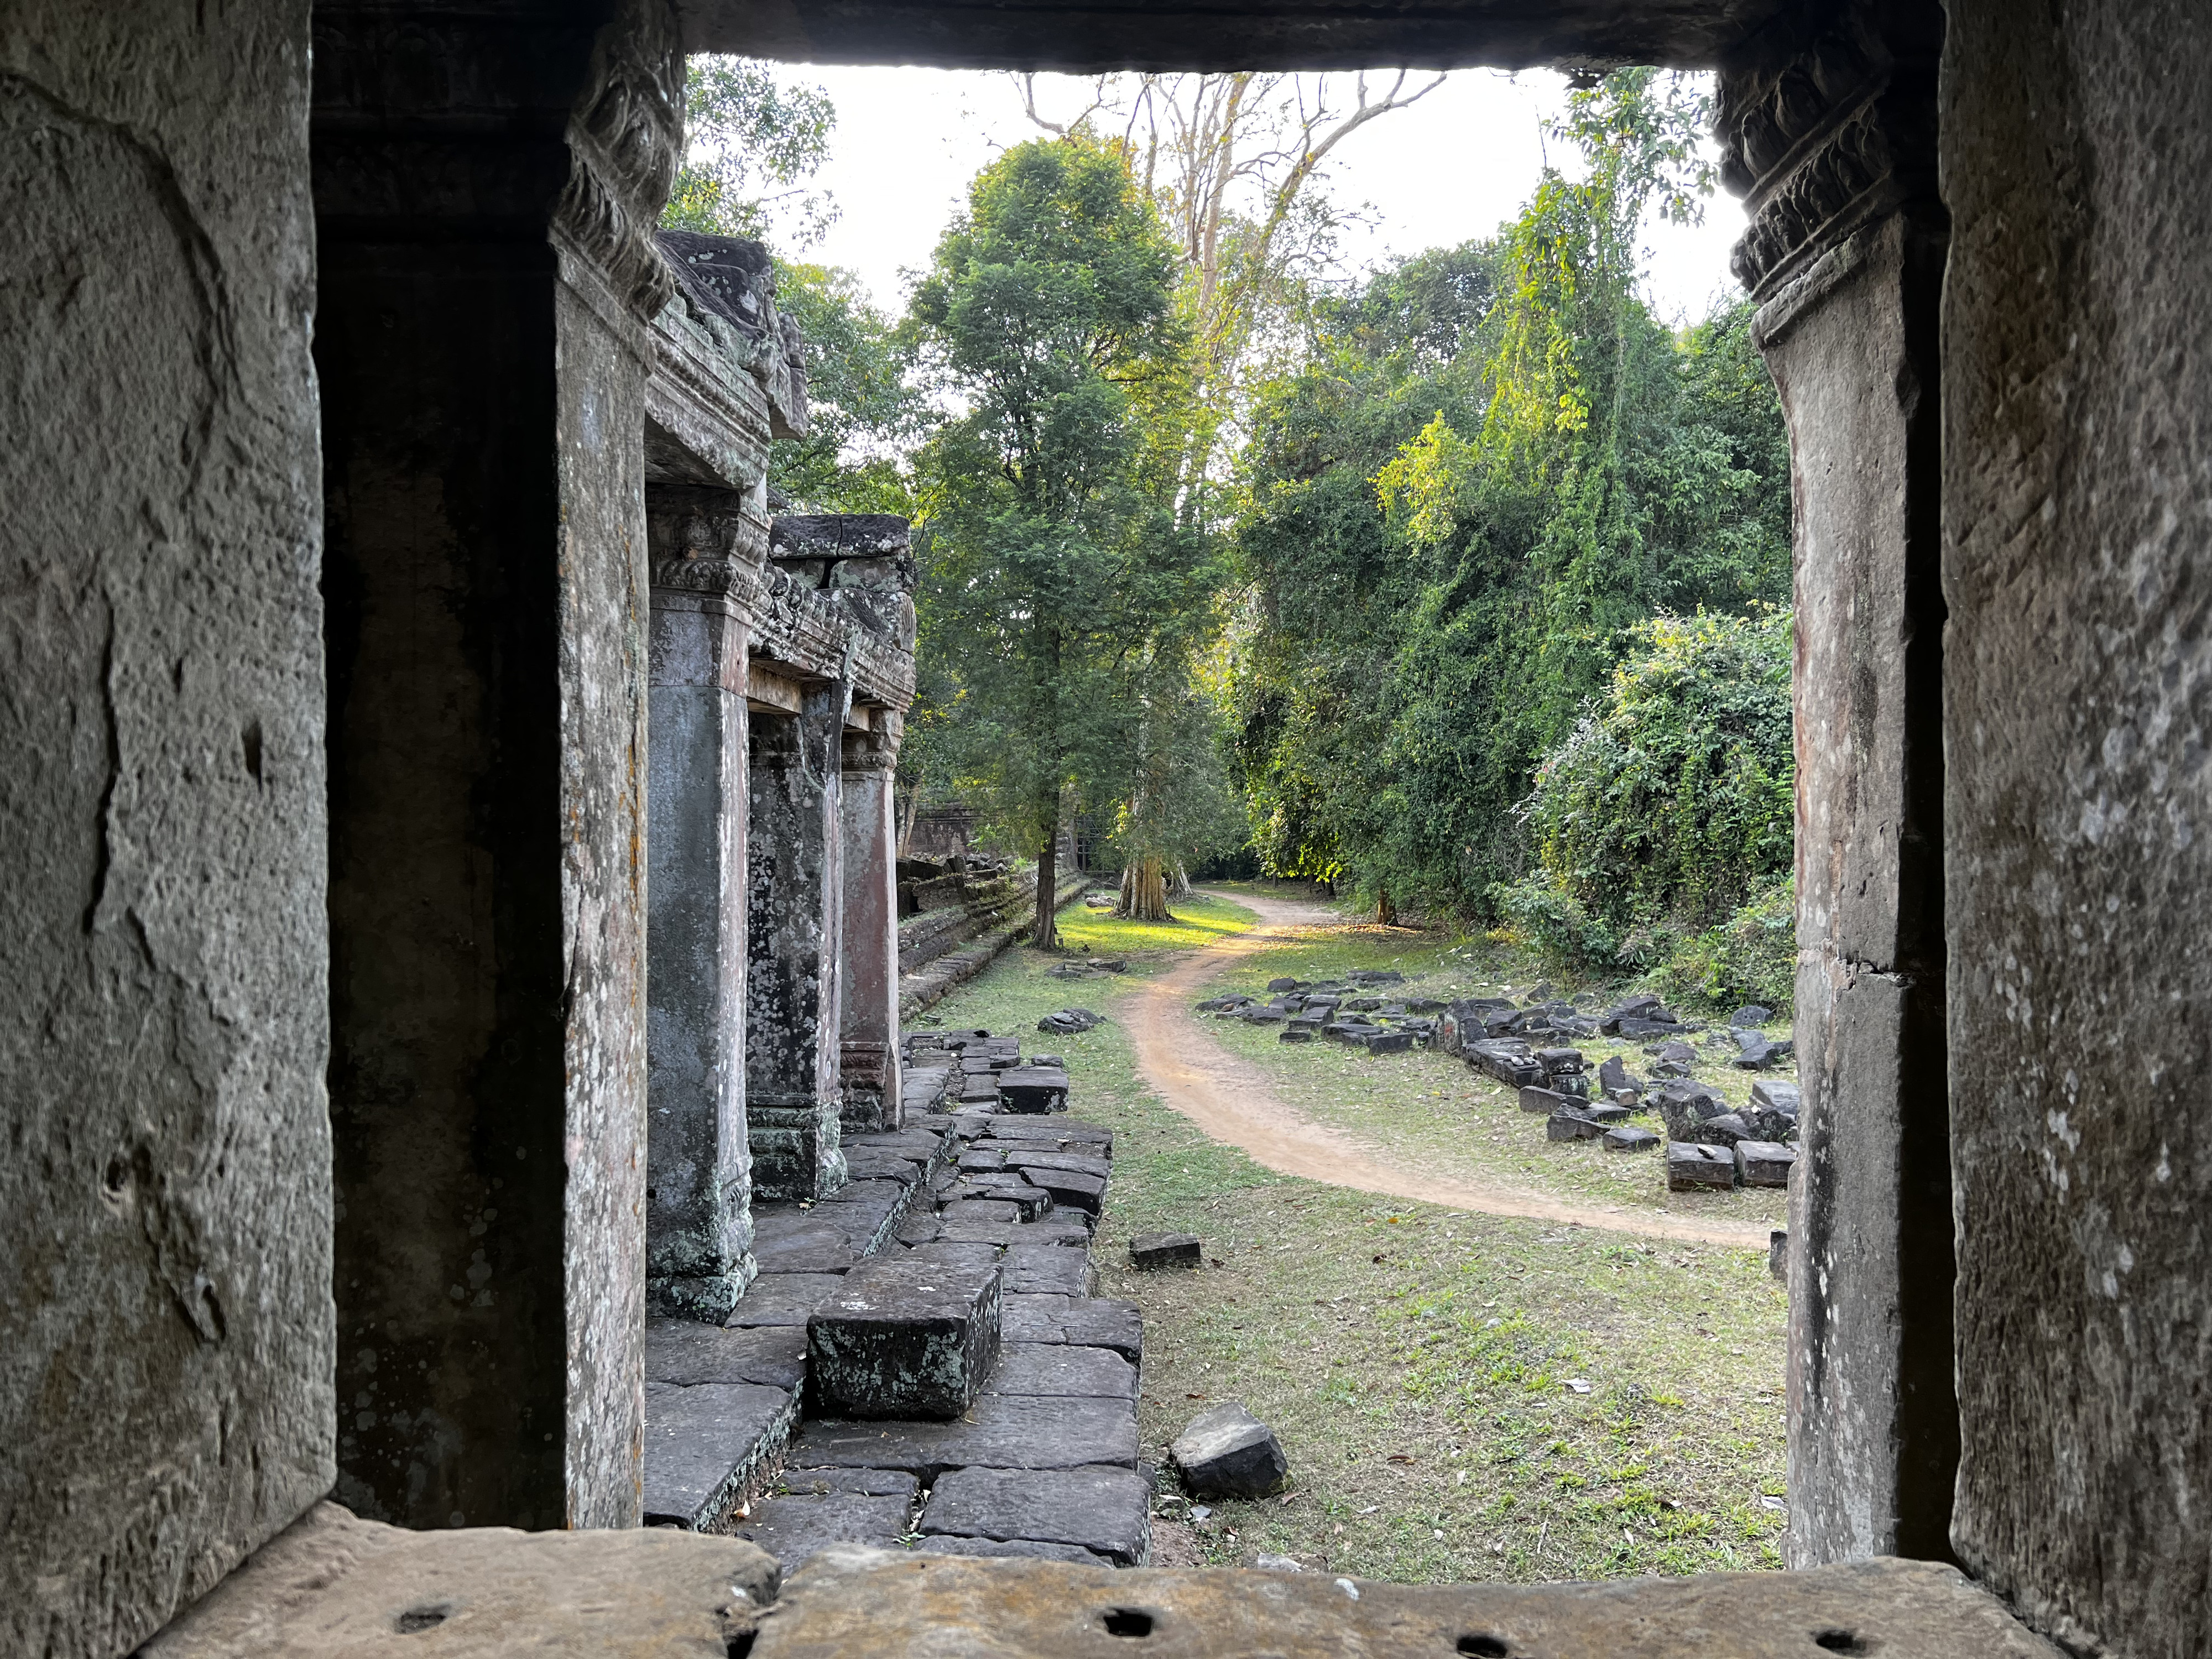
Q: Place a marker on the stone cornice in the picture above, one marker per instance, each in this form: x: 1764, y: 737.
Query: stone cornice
x: 804, y: 629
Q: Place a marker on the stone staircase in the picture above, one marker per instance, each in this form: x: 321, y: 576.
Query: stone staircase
x: 922, y: 1363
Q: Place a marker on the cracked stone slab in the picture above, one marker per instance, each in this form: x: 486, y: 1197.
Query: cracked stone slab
x: 332, y: 1583
x: 706, y: 1443
x: 1002, y: 1431
x: 1104, y: 1510
x: 815, y: 1247
x: 683, y: 1351
x: 1047, y: 1368
x: 1103, y: 1322
x: 781, y: 1299
x: 857, y: 1602
x: 1049, y: 1268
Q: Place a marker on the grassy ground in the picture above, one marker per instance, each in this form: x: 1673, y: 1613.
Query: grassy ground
x: 1420, y: 1365
x: 1432, y: 1107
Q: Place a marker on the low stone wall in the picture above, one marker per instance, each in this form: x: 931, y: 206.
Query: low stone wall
x: 939, y: 950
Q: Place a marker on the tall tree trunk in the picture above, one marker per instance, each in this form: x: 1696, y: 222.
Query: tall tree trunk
x: 1180, y: 887
x: 912, y: 812
x: 1045, y: 936
x: 1144, y: 891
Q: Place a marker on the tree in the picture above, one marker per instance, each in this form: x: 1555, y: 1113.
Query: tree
x: 751, y: 141
x: 1047, y: 305
x: 867, y: 410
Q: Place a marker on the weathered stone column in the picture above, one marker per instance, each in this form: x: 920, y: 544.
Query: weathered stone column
x: 1831, y: 135
x: 698, y: 1164
x: 795, y: 891
x: 869, y: 1065
x: 485, y: 186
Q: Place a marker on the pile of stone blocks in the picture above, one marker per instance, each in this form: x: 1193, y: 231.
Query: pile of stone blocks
x: 1356, y: 1009
x: 933, y: 1373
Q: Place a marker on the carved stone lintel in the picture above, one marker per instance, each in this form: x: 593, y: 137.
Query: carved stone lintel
x: 875, y: 750
x: 1825, y: 130
x: 625, y: 141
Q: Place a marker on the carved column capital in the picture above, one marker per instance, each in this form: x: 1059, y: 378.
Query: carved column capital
x: 873, y: 750
x: 1826, y: 128
x: 625, y: 141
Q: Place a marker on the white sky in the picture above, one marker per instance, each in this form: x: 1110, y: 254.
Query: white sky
x: 1453, y: 167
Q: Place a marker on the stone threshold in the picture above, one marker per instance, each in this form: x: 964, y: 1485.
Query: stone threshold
x: 333, y: 1584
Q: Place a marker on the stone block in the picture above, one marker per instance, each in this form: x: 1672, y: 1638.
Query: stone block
x: 970, y: 1210
x: 1103, y: 1322
x: 1764, y: 1162
x: 789, y: 1241
x: 1627, y: 1139
x: 1770, y: 1094
x: 1033, y: 1089
x: 1031, y: 1203
x: 1073, y: 1188
x: 1031, y: 1158
x: 1546, y: 1100
x: 1011, y: 1549
x: 910, y: 1336
x: 1104, y: 1509
x: 332, y: 1583
x: 1571, y: 1126
x: 1389, y: 1043
x: 1296, y: 1034
x: 1725, y: 1130
x: 793, y: 1526
x: 705, y: 1444
x: 1777, y: 1256
x: 1151, y: 1250
x: 1691, y: 1167
x: 1226, y: 1452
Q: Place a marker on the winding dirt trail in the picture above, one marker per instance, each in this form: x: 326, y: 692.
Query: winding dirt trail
x: 1229, y: 1098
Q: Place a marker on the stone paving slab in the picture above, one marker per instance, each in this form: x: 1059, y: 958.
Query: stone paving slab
x: 865, y: 1212
x: 1030, y: 1267
x: 792, y: 1528
x: 1003, y: 1432
x: 1104, y: 1510
x: 1073, y: 1188
x: 1022, y: 1157
x: 870, y: 1483
x: 1054, y: 1368
x: 978, y: 1212
x: 781, y: 1299
x: 705, y: 1444
x: 1101, y: 1322
x: 682, y: 1350
x: 794, y: 1241
x: 1034, y: 1317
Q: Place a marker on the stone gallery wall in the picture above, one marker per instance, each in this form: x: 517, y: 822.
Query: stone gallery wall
x: 2077, y: 513
x: 166, y: 1327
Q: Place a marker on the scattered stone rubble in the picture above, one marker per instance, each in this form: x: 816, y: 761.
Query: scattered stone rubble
x: 1529, y: 1045
x: 1226, y: 1452
x: 922, y: 1362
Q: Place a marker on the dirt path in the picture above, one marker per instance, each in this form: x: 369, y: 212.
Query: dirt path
x: 1229, y: 1098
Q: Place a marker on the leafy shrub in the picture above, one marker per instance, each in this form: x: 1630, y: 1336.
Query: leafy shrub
x: 1663, y: 825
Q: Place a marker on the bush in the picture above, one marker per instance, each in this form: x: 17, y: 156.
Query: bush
x: 1750, y: 957
x: 1662, y: 826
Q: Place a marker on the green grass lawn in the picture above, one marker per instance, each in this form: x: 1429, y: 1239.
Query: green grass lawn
x: 1198, y: 919
x: 1418, y: 1363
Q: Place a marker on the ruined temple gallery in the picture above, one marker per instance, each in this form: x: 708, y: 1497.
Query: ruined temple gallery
x: 450, y: 927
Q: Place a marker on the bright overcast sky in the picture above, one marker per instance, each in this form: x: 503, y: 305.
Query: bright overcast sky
x: 1451, y: 167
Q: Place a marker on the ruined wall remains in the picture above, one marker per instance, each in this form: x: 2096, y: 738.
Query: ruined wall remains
x: 165, y: 1314
x: 2077, y: 539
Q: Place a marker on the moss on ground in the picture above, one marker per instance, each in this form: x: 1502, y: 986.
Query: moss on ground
x: 1420, y: 1364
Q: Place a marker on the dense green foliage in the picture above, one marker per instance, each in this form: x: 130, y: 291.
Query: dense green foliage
x: 1668, y: 803
x: 1497, y: 465
x: 751, y: 141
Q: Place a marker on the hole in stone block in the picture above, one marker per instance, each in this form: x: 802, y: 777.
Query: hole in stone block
x: 1485, y: 1647
x: 1840, y: 1641
x: 416, y: 1619
x: 742, y: 1644
x: 1127, y: 1621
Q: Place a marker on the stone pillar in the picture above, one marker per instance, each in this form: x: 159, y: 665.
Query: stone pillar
x: 1831, y: 134
x: 485, y: 186
x: 869, y: 1063
x: 795, y: 895
x: 698, y: 1164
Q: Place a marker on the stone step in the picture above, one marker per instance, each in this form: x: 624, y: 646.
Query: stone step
x: 707, y: 1444
x: 913, y: 1335
x: 1000, y: 1431
x: 808, y: 1510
